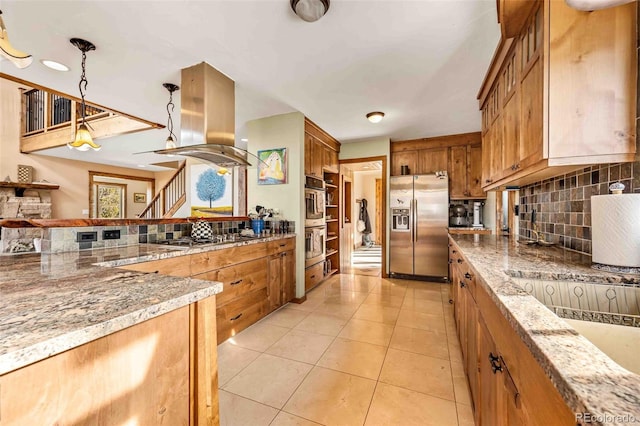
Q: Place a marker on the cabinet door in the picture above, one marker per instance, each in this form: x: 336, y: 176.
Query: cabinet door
x: 308, y: 154
x: 432, y: 160
x: 458, y: 172
x: 288, y: 276
x: 275, y: 282
x: 496, y: 165
x: 317, y: 159
x: 490, y: 410
x: 474, y: 172
x: 531, y: 142
x: 511, y: 144
x: 471, y: 361
x: 330, y: 160
x: 404, y: 158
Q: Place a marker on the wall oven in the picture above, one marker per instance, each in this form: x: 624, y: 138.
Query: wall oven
x: 314, y: 194
x: 314, y: 238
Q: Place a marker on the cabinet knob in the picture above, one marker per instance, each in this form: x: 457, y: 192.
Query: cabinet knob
x: 468, y: 275
x: 496, y: 365
x: 460, y: 260
x: 454, y: 251
x: 462, y: 284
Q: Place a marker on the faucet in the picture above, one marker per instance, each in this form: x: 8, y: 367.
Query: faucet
x: 539, y: 236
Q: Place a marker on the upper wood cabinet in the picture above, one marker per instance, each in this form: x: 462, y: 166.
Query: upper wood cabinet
x: 320, y: 151
x: 460, y: 155
x: 561, y: 94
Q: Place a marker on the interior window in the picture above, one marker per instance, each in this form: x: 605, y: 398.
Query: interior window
x: 110, y: 201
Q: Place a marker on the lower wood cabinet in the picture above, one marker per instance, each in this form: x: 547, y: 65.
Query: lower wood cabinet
x: 144, y: 374
x: 313, y: 275
x: 256, y: 278
x: 508, y: 386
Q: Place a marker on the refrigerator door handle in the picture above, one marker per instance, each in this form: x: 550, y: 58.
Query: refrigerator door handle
x: 415, y: 219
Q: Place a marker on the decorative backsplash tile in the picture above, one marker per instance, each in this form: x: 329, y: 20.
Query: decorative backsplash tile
x: 563, y: 203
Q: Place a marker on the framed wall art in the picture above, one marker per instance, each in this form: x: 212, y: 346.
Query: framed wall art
x: 272, y: 169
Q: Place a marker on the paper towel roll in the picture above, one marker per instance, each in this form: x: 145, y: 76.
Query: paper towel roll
x: 615, y: 229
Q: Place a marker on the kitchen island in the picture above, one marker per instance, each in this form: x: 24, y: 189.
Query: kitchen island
x: 547, y: 372
x: 82, y: 339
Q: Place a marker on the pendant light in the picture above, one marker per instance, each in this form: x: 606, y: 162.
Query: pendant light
x: 83, y: 140
x: 170, y: 142
x: 18, y: 58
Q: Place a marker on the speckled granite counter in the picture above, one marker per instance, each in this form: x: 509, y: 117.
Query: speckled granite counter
x: 588, y: 380
x: 50, y: 303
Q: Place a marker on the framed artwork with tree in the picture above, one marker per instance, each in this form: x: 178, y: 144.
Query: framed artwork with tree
x: 211, y: 192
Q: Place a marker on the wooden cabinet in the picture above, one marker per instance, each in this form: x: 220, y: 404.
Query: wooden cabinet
x: 460, y: 155
x: 561, y: 94
x: 142, y: 373
x: 432, y: 160
x: 320, y: 151
x: 313, y: 275
x: 465, y: 170
x: 256, y: 278
x: 508, y: 386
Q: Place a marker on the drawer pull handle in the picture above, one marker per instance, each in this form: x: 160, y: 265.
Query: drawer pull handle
x: 282, y: 245
x: 236, y: 317
x: 236, y: 282
x: 450, y: 261
x: 468, y: 275
x: 496, y: 365
x: 313, y: 276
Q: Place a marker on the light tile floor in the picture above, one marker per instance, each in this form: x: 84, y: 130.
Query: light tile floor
x: 362, y: 350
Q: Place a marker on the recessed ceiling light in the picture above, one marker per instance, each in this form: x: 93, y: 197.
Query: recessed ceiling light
x: 244, y: 140
x: 375, y: 117
x: 54, y: 65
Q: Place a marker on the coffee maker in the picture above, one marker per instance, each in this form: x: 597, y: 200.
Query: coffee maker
x: 458, y: 216
x: 477, y: 214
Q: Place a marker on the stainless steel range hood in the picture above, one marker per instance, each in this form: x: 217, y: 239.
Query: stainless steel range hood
x: 207, y: 119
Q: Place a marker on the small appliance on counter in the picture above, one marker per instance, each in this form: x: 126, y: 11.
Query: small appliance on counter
x: 477, y: 214
x: 458, y: 216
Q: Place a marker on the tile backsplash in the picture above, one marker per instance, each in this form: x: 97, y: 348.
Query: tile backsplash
x: 563, y: 203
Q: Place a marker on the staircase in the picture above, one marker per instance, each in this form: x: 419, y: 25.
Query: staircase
x: 170, y: 198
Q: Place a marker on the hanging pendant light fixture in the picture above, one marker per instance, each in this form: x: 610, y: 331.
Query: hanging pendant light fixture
x: 83, y: 140
x: 170, y: 142
x: 19, y: 59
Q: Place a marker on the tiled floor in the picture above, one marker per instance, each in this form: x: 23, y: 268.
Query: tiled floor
x: 361, y: 350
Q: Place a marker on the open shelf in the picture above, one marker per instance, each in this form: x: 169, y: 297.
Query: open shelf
x: 329, y: 185
x: 331, y: 220
x: 331, y: 272
x: 331, y: 252
x: 331, y: 238
x: 331, y: 205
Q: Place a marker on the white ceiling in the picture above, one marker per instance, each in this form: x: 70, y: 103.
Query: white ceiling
x: 421, y: 61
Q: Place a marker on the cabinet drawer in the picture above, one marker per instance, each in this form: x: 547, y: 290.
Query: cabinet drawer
x: 216, y: 259
x: 174, y: 266
x: 281, y: 245
x: 313, y: 275
x: 238, y: 279
x: 240, y: 313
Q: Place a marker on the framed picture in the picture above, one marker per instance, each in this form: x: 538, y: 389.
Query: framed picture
x: 211, y: 192
x: 272, y: 169
x: 139, y: 197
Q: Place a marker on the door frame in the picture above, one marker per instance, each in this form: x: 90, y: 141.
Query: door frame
x: 385, y: 194
x: 92, y: 182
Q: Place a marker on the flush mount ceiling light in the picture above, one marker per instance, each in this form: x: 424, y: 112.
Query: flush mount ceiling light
x: 19, y: 59
x: 310, y: 10
x: 170, y: 142
x: 83, y: 140
x: 590, y: 5
x: 375, y: 117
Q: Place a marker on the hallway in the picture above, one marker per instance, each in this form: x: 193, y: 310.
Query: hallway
x: 361, y: 350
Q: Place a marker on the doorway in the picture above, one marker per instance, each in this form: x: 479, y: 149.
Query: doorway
x: 118, y: 196
x: 365, y: 235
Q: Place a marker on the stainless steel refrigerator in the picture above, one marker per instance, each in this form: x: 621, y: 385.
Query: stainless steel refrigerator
x: 419, y: 207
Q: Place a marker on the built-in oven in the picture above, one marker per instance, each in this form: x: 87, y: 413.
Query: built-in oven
x: 314, y: 238
x: 314, y: 194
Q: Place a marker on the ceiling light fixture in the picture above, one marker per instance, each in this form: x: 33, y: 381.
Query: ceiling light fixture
x: 54, y: 65
x: 170, y: 142
x: 83, y: 140
x: 310, y: 10
x: 19, y: 59
x: 375, y: 117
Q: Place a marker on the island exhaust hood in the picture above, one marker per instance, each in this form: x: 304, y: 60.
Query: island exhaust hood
x: 207, y: 119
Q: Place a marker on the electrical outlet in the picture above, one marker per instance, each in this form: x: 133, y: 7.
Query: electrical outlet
x: 113, y: 234
x: 85, y: 211
x: 83, y: 237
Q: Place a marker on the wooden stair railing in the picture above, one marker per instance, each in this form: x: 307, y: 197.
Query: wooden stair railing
x: 170, y: 198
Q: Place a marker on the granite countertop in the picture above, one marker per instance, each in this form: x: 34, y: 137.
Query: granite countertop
x: 50, y: 303
x: 588, y: 380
